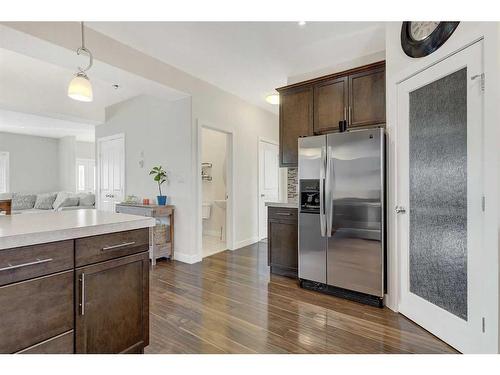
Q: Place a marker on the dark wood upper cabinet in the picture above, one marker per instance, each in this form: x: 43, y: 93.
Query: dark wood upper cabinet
x: 296, y: 120
x: 330, y: 104
x: 316, y: 106
x: 112, y: 313
x: 367, y: 98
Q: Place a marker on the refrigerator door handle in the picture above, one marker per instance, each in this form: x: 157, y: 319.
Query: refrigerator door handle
x: 322, y: 215
x: 329, y: 192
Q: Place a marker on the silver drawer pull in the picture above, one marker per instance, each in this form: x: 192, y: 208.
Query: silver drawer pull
x: 82, y: 294
x: 37, y: 261
x: 284, y: 213
x: 118, y: 246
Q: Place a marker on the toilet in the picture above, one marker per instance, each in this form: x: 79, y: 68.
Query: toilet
x: 205, y: 210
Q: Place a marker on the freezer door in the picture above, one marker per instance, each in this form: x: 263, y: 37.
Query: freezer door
x: 312, y: 249
x: 312, y: 225
x: 355, y: 211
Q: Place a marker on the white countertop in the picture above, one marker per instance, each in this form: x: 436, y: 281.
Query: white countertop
x: 29, y: 229
x: 283, y: 204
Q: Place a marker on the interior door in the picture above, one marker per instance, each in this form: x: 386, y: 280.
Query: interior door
x: 111, y: 172
x: 440, y: 196
x: 268, y: 181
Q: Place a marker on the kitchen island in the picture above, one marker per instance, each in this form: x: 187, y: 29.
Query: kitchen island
x: 74, y: 282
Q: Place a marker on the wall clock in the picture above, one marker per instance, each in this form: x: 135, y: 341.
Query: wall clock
x: 421, y: 38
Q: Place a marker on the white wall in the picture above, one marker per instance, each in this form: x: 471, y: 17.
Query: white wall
x: 346, y: 65
x: 214, y: 152
x: 85, y: 150
x: 157, y: 132
x: 67, y: 163
x: 209, y: 105
x: 34, y: 162
x: 399, y: 66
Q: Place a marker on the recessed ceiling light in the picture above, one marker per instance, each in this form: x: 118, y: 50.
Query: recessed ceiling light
x: 273, y: 99
x: 116, y: 86
x: 302, y: 23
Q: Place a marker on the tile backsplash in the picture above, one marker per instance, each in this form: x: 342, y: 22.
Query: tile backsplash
x: 292, y: 185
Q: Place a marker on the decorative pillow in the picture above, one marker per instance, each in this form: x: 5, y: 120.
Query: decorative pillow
x: 70, y: 201
x: 45, y: 201
x: 86, y: 199
x: 23, y: 201
x: 61, y: 197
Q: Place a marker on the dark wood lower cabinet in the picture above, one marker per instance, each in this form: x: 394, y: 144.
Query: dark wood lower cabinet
x: 283, y: 241
x: 112, y: 304
x: 100, y: 305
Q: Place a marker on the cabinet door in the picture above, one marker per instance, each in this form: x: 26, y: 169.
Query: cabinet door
x: 330, y: 105
x: 112, y: 306
x: 295, y: 121
x: 367, y: 98
x: 283, y: 251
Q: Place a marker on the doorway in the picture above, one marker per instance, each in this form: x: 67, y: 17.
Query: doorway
x: 268, y: 181
x: 440, y: 197
x: 214, y: 182
x: 110, y: 171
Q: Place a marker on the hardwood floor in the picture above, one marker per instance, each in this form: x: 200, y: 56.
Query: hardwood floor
x: 229, y: 303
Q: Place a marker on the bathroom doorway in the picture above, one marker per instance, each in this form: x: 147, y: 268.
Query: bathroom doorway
x: 214, y: 182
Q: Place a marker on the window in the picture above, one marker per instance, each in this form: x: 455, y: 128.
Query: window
x: 85, y: 175
x: 4, y: 172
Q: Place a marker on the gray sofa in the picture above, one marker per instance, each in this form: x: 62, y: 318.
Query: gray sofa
x: 25, y: 203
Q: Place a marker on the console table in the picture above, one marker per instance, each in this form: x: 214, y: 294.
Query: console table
x: 161, y: 236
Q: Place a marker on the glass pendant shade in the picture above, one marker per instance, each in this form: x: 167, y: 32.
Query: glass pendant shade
x: 80, y: 88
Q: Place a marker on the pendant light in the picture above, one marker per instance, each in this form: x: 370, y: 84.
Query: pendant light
x: 80, y: 87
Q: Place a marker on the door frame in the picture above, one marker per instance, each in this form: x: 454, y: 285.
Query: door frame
x: 259, y: 159
x: 466, y: 334
x: 230, y: 157
x: 98, y: 164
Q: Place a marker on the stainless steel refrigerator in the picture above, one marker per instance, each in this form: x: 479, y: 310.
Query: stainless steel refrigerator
x: 341, y: 214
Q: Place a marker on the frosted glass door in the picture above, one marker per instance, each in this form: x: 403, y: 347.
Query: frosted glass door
x: 438, y: 192
x: 440, y: 187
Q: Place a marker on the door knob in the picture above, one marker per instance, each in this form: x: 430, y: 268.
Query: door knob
x: 263, y: 195
x: 400, y: 210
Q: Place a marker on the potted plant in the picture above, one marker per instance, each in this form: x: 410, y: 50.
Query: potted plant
x: 160, y: 176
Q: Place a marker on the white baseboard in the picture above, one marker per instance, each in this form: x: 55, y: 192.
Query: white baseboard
x: 248, y: 241
x: 186, y: 258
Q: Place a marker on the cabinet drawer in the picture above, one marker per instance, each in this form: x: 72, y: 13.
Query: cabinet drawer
x: 278, y: 213
x: 62, y: 344
x: 96, y: 249
x: 35, y: 310
x: 23, y: 263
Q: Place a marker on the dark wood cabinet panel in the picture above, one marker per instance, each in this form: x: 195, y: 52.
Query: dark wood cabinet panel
x: 367, y: 98
x: 23, y: 263
x: 330, y: 104
x: 95, y: 249
x: 296, y: 120
x: 35, y: 310
x: 282, y: 241
x: 112, y: 306
x: 62, y: 344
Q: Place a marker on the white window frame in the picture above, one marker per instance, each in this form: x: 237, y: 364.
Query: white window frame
x: 4, y: 157
x: 86, y: 162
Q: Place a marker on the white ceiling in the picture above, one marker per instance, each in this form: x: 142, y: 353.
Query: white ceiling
x: 43, y: 126
x: 34, y: 86
x: 249, y: 59
x: 34, y: 76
